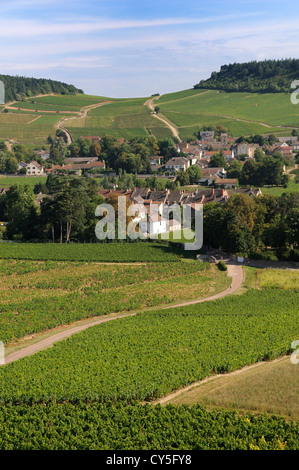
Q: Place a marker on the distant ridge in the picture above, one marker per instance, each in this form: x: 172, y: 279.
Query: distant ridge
x: 17, y: 88
x: 268, y: 76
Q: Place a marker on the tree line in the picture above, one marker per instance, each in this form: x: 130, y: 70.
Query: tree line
x: 267, y: 76
x: 252, y: 226
x: 67, y: 211
x: 17, y: 88
x: 132, y: 156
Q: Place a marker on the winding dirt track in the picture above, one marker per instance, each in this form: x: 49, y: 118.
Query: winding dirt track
x: 234, y: 271
x: 150, y: 104
x: 81, y: 114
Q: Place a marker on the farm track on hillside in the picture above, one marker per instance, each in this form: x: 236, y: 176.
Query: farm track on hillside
x: 234, y: 271
x: 177, y: 393
x: 82, y: 114
x: 150, y: 104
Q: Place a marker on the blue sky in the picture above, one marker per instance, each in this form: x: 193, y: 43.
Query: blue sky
x: 127, y: 48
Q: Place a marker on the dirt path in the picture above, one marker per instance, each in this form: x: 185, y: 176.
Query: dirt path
x: 61, y: 124
x: 39, y: 110
x: 47, y: 342
x: 81, y: 114
x: 85, y: 110
x: 150, y: 104
x: 36, y: 96
x: 234, y: 271
x: 180, y: 391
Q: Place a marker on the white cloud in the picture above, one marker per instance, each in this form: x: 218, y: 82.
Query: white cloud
x: 145, y: 52
x: 29, y: 28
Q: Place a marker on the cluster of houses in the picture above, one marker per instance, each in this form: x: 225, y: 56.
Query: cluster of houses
x: 78, y: 165
x: 74, y: 165
x: 200, y: 152
x: 154, y: 206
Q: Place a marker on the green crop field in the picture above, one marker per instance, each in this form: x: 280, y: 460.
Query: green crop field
x: 188, y: 110
x: 192, y: 109
x: 43, y: 294
x: 29, y: 128
x: 100, y: 252
x: 7, y: 181
x: 121, y: 118
x: 278, y: 191
x: 78, y: 101
x: 121, y: 426
x: 273, y: 109
x: 83, y: 392
x: 37, y: 106
x: 31, y: 123
x: 149, y: 355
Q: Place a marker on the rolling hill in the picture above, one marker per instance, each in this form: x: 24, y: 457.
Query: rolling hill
x: 31, y: 119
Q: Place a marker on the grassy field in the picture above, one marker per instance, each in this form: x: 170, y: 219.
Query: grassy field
x: 7, y: 181
x: 122, y: 118
x: 188, y: 110
x: 34, y: 127
x: 269, y: 108
x: 191, y: 109
x: 278, y: 279
x: 29, y: 128
x: 278, y: 191
x: 270, y: 387
x: 100, y: 252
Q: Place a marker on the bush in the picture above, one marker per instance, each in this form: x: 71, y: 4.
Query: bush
x: 222, y: 266
x: 267, y: 255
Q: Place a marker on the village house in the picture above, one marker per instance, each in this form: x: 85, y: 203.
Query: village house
x: 192, y: 159
x: 246, y: 149
x: 43, y: 154
x: 207, y: 154
x: 157, y: 160
x: 203, y: 163
x: 77, y: 168
x: 289, y: 138
x: 251, y: 192
x: 227, y: 183
x: 34, y: 169
x: 228, y: 154
x: 81, y: 159
x: 283, y: 148
x: 207, y: 135
x: 22, y: 165
x: 296, y: 146
x: 177, y: 164
x: 224, y: 138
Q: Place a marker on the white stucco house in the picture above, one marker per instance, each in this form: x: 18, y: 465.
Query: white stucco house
x: 34, y: 169
x: 177, y: 164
